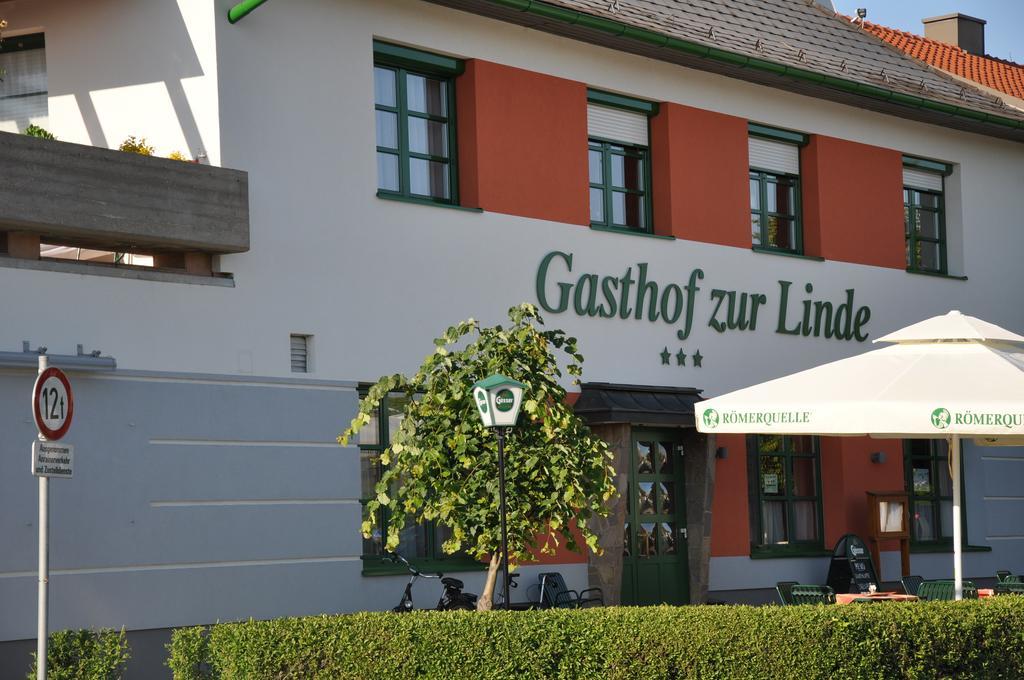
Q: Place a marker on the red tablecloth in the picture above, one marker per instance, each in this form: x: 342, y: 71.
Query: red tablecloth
x: 847, y: 598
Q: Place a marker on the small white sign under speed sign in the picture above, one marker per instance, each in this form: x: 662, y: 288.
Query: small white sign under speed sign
x: 53, y: 403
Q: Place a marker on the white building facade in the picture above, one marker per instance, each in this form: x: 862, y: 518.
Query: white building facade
x: 208, y: 483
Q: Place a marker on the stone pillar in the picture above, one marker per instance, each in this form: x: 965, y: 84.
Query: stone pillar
x: 699, y: 471
x: 605, y: 571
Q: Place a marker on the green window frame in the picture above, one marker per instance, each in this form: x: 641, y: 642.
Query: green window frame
x: 766, y: 190
x: 427, y: 537
x: 620, y: 172
x: 921, y: 207
x: 929, y: 484
x: 414, y: 107
x: 619, y: 186
x: 784, y: 474
x: 775, y: 198
x: 924, y: 218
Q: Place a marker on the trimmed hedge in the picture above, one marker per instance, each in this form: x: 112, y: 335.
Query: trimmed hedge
x: 975, y: 639
x: 84, y: 655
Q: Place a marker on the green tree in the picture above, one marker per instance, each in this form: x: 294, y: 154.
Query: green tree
x: 442, y: 464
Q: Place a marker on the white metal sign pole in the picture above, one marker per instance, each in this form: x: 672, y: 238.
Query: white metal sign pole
x: 44, y: 559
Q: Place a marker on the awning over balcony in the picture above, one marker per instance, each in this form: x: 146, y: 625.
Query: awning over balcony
x: 602, y: 403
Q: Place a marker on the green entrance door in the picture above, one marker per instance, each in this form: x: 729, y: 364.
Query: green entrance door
x: 654, y: 569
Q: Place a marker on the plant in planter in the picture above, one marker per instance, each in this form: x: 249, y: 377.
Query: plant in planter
x: 34, y: 130
x: 139, y: 146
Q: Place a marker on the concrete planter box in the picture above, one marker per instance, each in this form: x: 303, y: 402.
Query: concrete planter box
x: 84, y: 196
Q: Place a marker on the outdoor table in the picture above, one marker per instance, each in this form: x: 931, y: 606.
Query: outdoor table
x: 847, y: 598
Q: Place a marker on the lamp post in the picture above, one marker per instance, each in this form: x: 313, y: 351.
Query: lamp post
x: 498, y: 399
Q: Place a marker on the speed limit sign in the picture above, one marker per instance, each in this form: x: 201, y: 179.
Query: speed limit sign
x: 52, y: 403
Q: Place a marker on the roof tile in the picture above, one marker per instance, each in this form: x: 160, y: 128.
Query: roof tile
x: 998, y: 74
x: 794, y: 33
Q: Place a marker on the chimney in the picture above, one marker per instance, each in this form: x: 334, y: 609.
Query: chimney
x: 957, y: 29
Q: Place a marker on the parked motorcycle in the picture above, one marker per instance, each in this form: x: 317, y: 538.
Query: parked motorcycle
x: 452, y: 596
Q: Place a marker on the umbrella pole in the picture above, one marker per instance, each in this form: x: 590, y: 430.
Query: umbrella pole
x: 958, y: 567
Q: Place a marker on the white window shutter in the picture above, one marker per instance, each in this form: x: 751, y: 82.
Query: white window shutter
x: 616, y: 125
x: 300, y: 354
x: 773, y: 156
x: 922, y: 179
x: 23, y: 91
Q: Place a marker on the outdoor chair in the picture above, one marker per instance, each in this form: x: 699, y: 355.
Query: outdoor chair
x: 1006, y: 577
x: 944, y: 590
x: 1009, y: 588
x: 805, y: 594
x: 911, y: 584
x: 785, y: 591
x: 555, y: 594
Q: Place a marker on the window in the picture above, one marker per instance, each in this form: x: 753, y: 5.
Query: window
x: 414, y: 98
x: 300, y: 353
x: 619, y: 162
x: 926, y: 466
x: 775, y: 189
x: 419, y: 543
x: 785, y: 498
x: 23, y: 88
x: 924, y: 218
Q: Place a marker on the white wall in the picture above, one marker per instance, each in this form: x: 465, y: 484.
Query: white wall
x: 146, y: 68
x: 373, y: 280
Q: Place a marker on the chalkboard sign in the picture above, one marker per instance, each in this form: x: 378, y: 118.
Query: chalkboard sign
x: 850, y: 569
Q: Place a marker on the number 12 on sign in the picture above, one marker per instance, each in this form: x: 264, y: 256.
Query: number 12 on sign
x: 52, y: 403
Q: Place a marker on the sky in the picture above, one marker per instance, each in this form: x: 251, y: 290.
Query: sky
x: 1004, y: 32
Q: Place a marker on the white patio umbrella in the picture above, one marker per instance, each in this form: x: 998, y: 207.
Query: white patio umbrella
x: 947, y: 377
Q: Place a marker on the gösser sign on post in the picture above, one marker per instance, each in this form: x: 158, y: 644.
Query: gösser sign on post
x: 53, y: 405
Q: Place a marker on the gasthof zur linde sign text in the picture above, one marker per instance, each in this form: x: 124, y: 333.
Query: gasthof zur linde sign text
x: 633, y: 295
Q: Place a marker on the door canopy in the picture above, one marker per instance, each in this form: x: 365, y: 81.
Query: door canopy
x: 605, y: 403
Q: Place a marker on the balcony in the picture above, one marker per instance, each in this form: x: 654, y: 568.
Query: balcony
x: 182, y: 214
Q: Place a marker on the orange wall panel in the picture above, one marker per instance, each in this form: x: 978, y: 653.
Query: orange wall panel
x: 852, y: 202
x: 522, y: 143
x: 730, y: 521
x: 847, y: 473
x: 562, y: 554
x: 699, y: 166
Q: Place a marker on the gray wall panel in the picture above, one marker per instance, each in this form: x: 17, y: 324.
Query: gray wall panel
x: 209, y: 534
x: 193, y: 500
x: 288, y: 472
x: 1003, y: 476
x: 1005, y: 519
x: 179, y: 597
x: 188, y: 409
